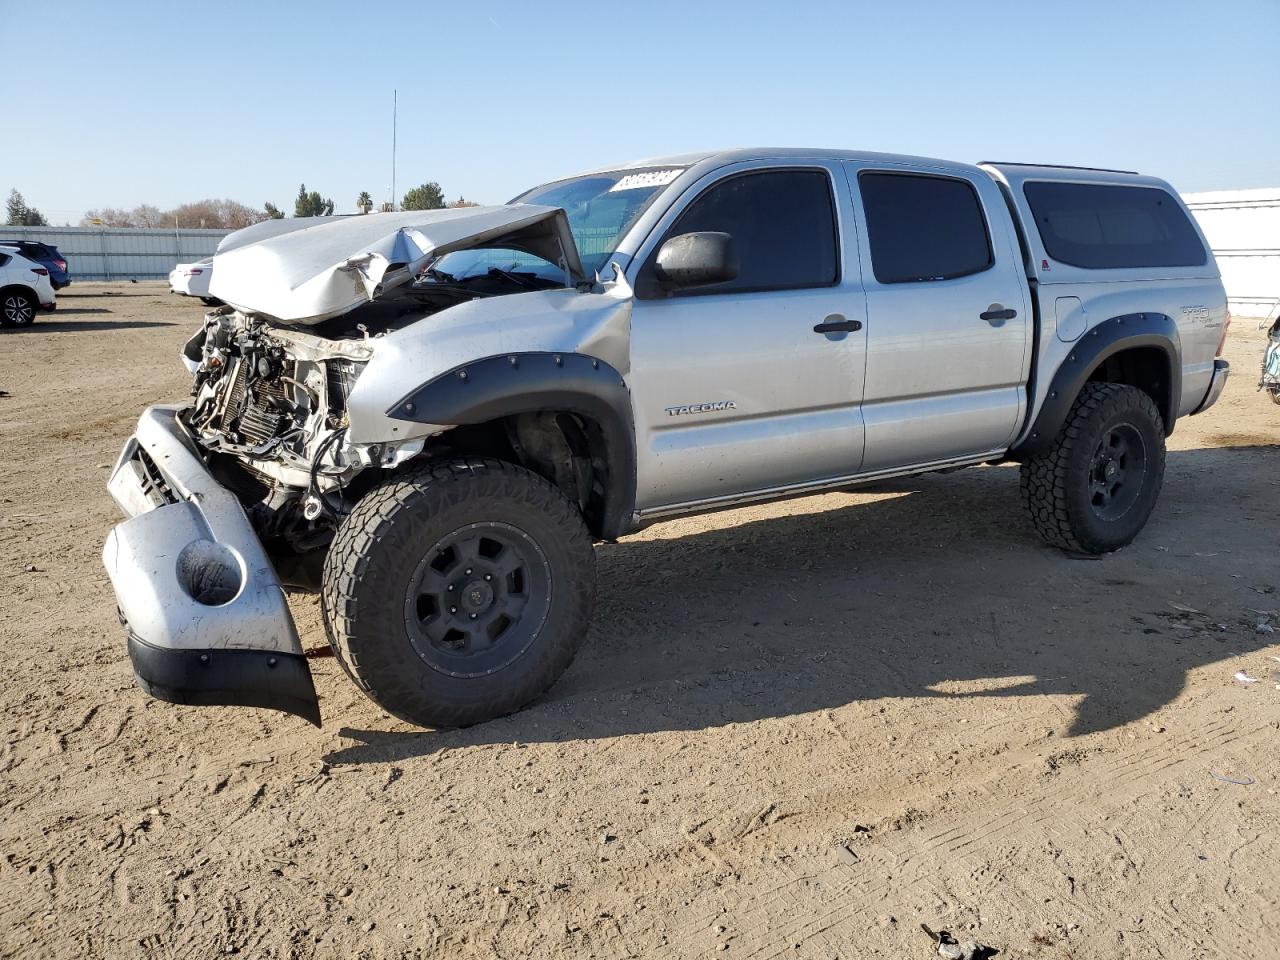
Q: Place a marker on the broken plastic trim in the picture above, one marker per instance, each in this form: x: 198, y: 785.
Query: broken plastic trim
x: 226, y: 678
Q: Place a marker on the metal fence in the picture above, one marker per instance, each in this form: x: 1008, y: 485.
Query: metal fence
x: 121, y: 253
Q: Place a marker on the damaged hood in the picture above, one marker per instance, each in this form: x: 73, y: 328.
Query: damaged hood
x: 307, y: 269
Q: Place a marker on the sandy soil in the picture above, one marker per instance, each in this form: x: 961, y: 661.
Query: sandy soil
x: 797, y: 730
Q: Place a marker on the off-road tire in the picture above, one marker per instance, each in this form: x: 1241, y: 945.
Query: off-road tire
x: 1275, y: 394
x: 1056, y: 485
x: 17, y: 309
x: 382, y: 546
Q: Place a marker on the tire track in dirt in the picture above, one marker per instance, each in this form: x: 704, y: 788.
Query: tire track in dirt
x: 914, y: 862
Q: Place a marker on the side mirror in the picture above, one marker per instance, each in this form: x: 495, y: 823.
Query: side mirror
x: 696, y: 259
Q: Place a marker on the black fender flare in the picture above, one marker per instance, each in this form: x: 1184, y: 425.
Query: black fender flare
x: 513, y: 383
x: 1105, y: 340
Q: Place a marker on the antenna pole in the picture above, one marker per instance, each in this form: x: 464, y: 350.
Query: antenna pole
x: 394, y: 105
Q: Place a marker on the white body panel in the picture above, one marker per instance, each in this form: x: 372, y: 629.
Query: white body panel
x: 192, y: 279
x: 20, y: 271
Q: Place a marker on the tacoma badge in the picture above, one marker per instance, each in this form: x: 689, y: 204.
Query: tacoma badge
x: 701, y: 408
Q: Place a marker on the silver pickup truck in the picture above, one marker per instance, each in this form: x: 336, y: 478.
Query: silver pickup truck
x: 431, y: 417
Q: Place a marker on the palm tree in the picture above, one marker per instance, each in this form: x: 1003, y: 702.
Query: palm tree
x: 364, y: 203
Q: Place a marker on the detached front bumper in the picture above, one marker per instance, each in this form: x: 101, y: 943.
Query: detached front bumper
x: 206, y: 616
x: 1221, y: 370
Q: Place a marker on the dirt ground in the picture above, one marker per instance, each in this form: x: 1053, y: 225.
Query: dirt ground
x: 796, y: 730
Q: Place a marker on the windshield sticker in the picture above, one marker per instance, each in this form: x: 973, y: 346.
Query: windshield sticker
x: 650, y: 178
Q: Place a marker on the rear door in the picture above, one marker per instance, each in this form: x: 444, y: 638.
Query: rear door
x: 948, y: 317
x: 734, y: 391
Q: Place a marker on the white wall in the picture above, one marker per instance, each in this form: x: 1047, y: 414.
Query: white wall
x: 1243, y: 228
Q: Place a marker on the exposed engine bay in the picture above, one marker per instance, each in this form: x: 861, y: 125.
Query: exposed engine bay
x: 270, y: 406
x: 271, y: 416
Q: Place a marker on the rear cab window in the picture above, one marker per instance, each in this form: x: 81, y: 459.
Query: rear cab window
x: 1098, y: 226
x: 923, y: 227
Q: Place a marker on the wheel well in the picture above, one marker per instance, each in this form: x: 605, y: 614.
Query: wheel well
x: 566, y: 449
x: 1146, y: 368
x: 20, y: 289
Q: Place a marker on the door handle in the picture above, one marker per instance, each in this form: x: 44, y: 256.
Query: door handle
x: 998, y: 312
x: 837, y: 324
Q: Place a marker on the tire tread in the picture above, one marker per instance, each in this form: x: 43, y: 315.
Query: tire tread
x: 380, y: 517
x: 1045, y: 480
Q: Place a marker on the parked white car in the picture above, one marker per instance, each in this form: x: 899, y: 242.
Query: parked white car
x: 192, y: 280
x: 24, y: 289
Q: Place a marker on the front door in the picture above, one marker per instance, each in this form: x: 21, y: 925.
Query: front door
x: 734, y: 391
x: 948, y: 320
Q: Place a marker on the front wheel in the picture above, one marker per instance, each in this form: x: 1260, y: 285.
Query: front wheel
x: 1275, y: 394
x: 18, y: 309
x: 1093, y: 491
x: 459, y: 593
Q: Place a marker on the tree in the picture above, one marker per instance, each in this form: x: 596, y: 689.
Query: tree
x: 20, y: 215
x: 364, y: 202
x: 107, y: 217
x: 273, y: 212
x: 311, y: 204
x: 215, y: 214
x: 463, y: 202
x: 146, y: 215
x: 429, y: 196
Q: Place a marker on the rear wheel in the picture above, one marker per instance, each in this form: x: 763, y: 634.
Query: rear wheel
x: 459, y: 593
x: 18, y: 308
x: 1093, y: 491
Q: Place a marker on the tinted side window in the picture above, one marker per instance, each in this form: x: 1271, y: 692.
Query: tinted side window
x: 4, y: 258
x: 923, y: 228
x: 783, y: 224
x: 1101, y: 226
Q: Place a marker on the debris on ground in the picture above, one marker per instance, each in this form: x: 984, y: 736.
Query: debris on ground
x: 952, y: 949
x: 847, y: 856
x: 1239, y: 782
x: 1242, y: 677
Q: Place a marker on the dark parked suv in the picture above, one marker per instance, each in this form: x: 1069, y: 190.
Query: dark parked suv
x: 47, y: 255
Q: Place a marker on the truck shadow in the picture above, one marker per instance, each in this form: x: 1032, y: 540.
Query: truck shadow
x: 936, y: 589
x: 84, y: 326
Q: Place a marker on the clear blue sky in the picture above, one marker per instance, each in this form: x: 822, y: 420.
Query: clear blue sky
x: 160, y: 103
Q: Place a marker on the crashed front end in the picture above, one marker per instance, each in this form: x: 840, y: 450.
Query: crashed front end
x: 236, y: 495
x: 232, y: 497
